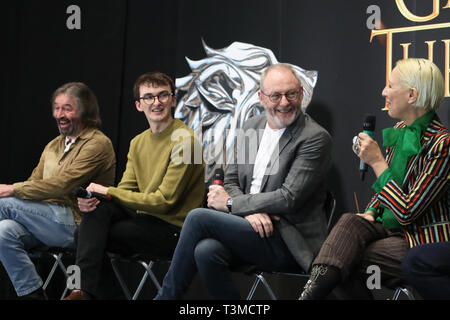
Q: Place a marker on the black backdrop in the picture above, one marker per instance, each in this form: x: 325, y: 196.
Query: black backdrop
x: 121, y: 39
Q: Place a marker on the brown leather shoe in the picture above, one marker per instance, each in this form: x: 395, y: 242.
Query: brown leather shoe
x: 76, y: 295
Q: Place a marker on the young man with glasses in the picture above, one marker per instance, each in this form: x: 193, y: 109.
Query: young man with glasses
x: 270, y: 211
x: 162, y: 182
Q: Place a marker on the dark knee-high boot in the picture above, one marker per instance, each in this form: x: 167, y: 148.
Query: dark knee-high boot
x: 323, y: 280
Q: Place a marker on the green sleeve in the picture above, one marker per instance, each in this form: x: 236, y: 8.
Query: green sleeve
x: 382, y: 180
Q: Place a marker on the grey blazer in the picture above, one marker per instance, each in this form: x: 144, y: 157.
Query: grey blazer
x: 293, y: 186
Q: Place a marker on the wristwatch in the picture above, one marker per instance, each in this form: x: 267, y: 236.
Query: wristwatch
x: 229, y: 204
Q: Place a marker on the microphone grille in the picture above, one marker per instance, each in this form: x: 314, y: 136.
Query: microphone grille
x: 80, y: 192
x: 218, y: 174
x: 369, y: 122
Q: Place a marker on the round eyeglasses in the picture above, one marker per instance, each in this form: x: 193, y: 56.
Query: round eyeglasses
x: 291, y: 95
x: 162, y: 97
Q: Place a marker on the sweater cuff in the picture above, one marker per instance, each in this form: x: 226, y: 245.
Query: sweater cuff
x: 111, y: 191
x: 18, y: 189
x: 382, y: 180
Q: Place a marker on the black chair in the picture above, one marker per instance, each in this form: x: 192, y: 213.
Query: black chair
x: 57, y: 255
x: 146, y: 261
x: 330, y: 207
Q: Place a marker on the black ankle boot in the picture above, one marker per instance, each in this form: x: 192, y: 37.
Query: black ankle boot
x: 322, y: 281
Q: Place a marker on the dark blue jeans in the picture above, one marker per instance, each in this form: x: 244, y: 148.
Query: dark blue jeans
x: 210, y: 243
x: 427, y: 269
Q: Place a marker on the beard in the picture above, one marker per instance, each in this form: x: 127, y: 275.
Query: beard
x: 283, y: 117
x: 69, y: 128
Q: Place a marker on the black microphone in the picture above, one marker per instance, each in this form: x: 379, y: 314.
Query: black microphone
x: 83, y: 193
x: 218, y: 176
x: 369, y: 128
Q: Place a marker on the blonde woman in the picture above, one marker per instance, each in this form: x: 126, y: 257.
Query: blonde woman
x: 410, y: 205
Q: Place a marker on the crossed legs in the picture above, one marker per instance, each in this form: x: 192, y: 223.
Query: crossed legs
x: 210, y: 243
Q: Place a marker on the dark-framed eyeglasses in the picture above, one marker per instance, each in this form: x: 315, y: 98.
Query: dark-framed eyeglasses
x: 291, y: 95
x: 162, y: 97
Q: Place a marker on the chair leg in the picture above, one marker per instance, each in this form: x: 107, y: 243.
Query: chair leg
x: 148, y: 267
x: 58, y: 262
x: 139, y: 288
x: 259, y: 278
x: 397, y: 293
x: 253, y: 289
x: 267, y: 286
x: 121, y: 281
x: 148, y: 272
x: 409, y: 294
x: 399, y: 290
x: 50, y: 275
x: 58, y: 258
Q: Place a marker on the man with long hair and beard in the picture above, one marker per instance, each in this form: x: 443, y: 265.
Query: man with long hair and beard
x: 42, y: 210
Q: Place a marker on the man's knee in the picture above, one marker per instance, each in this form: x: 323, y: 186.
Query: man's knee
x: 7, y: 205
x: 197, y: 216
x: 5, y: 200
x: 10, y: 232
x: 211, y: 251
x: 9, y: 229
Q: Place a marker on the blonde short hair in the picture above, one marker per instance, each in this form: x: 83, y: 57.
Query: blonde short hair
x: 426, y: 77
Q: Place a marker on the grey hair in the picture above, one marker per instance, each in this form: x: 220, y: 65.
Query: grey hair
x: 276, y: 66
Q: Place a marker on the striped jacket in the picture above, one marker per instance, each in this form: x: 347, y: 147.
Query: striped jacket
x: 421, y: 205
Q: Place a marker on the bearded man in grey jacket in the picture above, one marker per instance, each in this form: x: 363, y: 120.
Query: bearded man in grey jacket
x: 270, y: 211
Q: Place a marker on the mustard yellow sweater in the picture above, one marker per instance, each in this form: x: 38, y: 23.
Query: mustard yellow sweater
x: 164, y: 175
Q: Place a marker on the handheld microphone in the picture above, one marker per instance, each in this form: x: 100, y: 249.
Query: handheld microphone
x: 218, y: 176
x: 368, y: 128
x: 83, y: 193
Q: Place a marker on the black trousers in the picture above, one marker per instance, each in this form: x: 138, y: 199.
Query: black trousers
x: 427, y: 269
x: 114, y: 228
